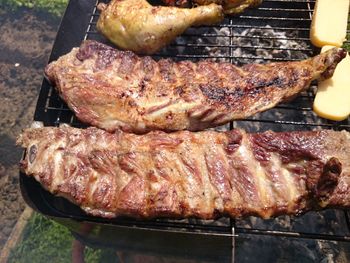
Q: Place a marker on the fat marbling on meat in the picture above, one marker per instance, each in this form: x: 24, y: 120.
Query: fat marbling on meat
x: 191, y: 174
x: 113, y: 89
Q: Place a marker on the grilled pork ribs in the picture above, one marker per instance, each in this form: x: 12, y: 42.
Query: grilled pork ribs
x: 187, y: 174
x: 113, y: 89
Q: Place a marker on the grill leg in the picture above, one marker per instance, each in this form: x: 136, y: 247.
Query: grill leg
x: 78, y: 249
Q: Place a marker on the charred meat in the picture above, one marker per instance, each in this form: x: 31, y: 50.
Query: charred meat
x: 185, y: 174
x: 114, y: 89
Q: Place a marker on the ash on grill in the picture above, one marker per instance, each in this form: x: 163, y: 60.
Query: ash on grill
x: 251, y: 45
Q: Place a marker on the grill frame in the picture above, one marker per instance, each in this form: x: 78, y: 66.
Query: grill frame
x: 52, y: 111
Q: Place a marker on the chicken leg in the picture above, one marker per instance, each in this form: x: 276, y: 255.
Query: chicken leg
x: 138, y: 26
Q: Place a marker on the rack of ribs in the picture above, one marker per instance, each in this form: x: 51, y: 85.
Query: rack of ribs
x: 191, y: 174
x: 113, y: 89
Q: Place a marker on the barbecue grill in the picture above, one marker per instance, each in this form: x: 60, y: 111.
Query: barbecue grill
x: 278, y: 30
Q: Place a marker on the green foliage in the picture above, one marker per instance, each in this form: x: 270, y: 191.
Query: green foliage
x: 346, y: 44
x: 44, y: 240
x: 55, y: 7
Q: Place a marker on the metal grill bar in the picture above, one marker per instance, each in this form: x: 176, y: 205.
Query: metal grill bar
x: 283, y: 9
x: 276, y: 18
x: 239, y: 46
x: 240, y: 231
x: 240, y: 36
x: 240, y: 26
x: 298, y: 123
x: 253, y: 58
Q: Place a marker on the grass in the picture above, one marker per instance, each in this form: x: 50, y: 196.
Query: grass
x: 44, y: 240
x: 55, y: 7
x: 346, y: 44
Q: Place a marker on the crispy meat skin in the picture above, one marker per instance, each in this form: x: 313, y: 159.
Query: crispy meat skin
x: 114, y: 89
x: 185, y: 174
x: 231, y: 7
x: 140, y: 27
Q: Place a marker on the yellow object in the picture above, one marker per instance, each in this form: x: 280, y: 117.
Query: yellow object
x: 332, y: 100
x: 329, y: 22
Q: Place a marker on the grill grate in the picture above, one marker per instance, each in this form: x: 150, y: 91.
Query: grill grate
x: 287, y: 20
x: 278, y: 30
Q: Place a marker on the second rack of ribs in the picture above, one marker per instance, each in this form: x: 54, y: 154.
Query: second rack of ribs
x: 114, y: 89
x: 191, y: 174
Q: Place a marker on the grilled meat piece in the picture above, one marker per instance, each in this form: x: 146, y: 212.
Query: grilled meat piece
x: 185, y: 174
x: 231, y: 7
x: 179, y: 3
x: 114, y: 89
x: 138, y: 26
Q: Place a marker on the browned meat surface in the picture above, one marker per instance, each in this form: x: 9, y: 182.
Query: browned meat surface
x: 186, y: 174
x: 231, y: 7
x: 180, y: 3
x: 137, y: 26
x: 114, y: 89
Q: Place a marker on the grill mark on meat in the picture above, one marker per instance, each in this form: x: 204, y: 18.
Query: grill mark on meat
x: 159, y: 165
x: 159, y: 140
x: 243, y: 178
x: 290, y: 146
x: 208, y: 73
x: 147, y: 66
x: 105, y: 55
x: 184, y: 174
x: 127, y: 64
x: 156, y: 108
x: 166, y: 71
x: 244, y: 183
x: 234, y: 141
x: 74, y: 186
x: 127, y: 162
x: 105, y: 59
x: 102, y: 161
x: 132, y: 198
x: 186, y: 69
x: 163, y: 201
x: 191, y: 166
x: 230, y: 75
x: 280, y: 188
x: 103, y: 193
x: 218, y: 118
x: 282, y: 183
x: 171, y: 175
x: 87, y: 50
x: 228, y: 91
x: 259, y: 84
x: 205, y: 114
x: 142, y: 87
x: 223, y: 96
x: 218, y: 174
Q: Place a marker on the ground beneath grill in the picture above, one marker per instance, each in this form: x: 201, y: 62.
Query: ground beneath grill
x: 25, y: 42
